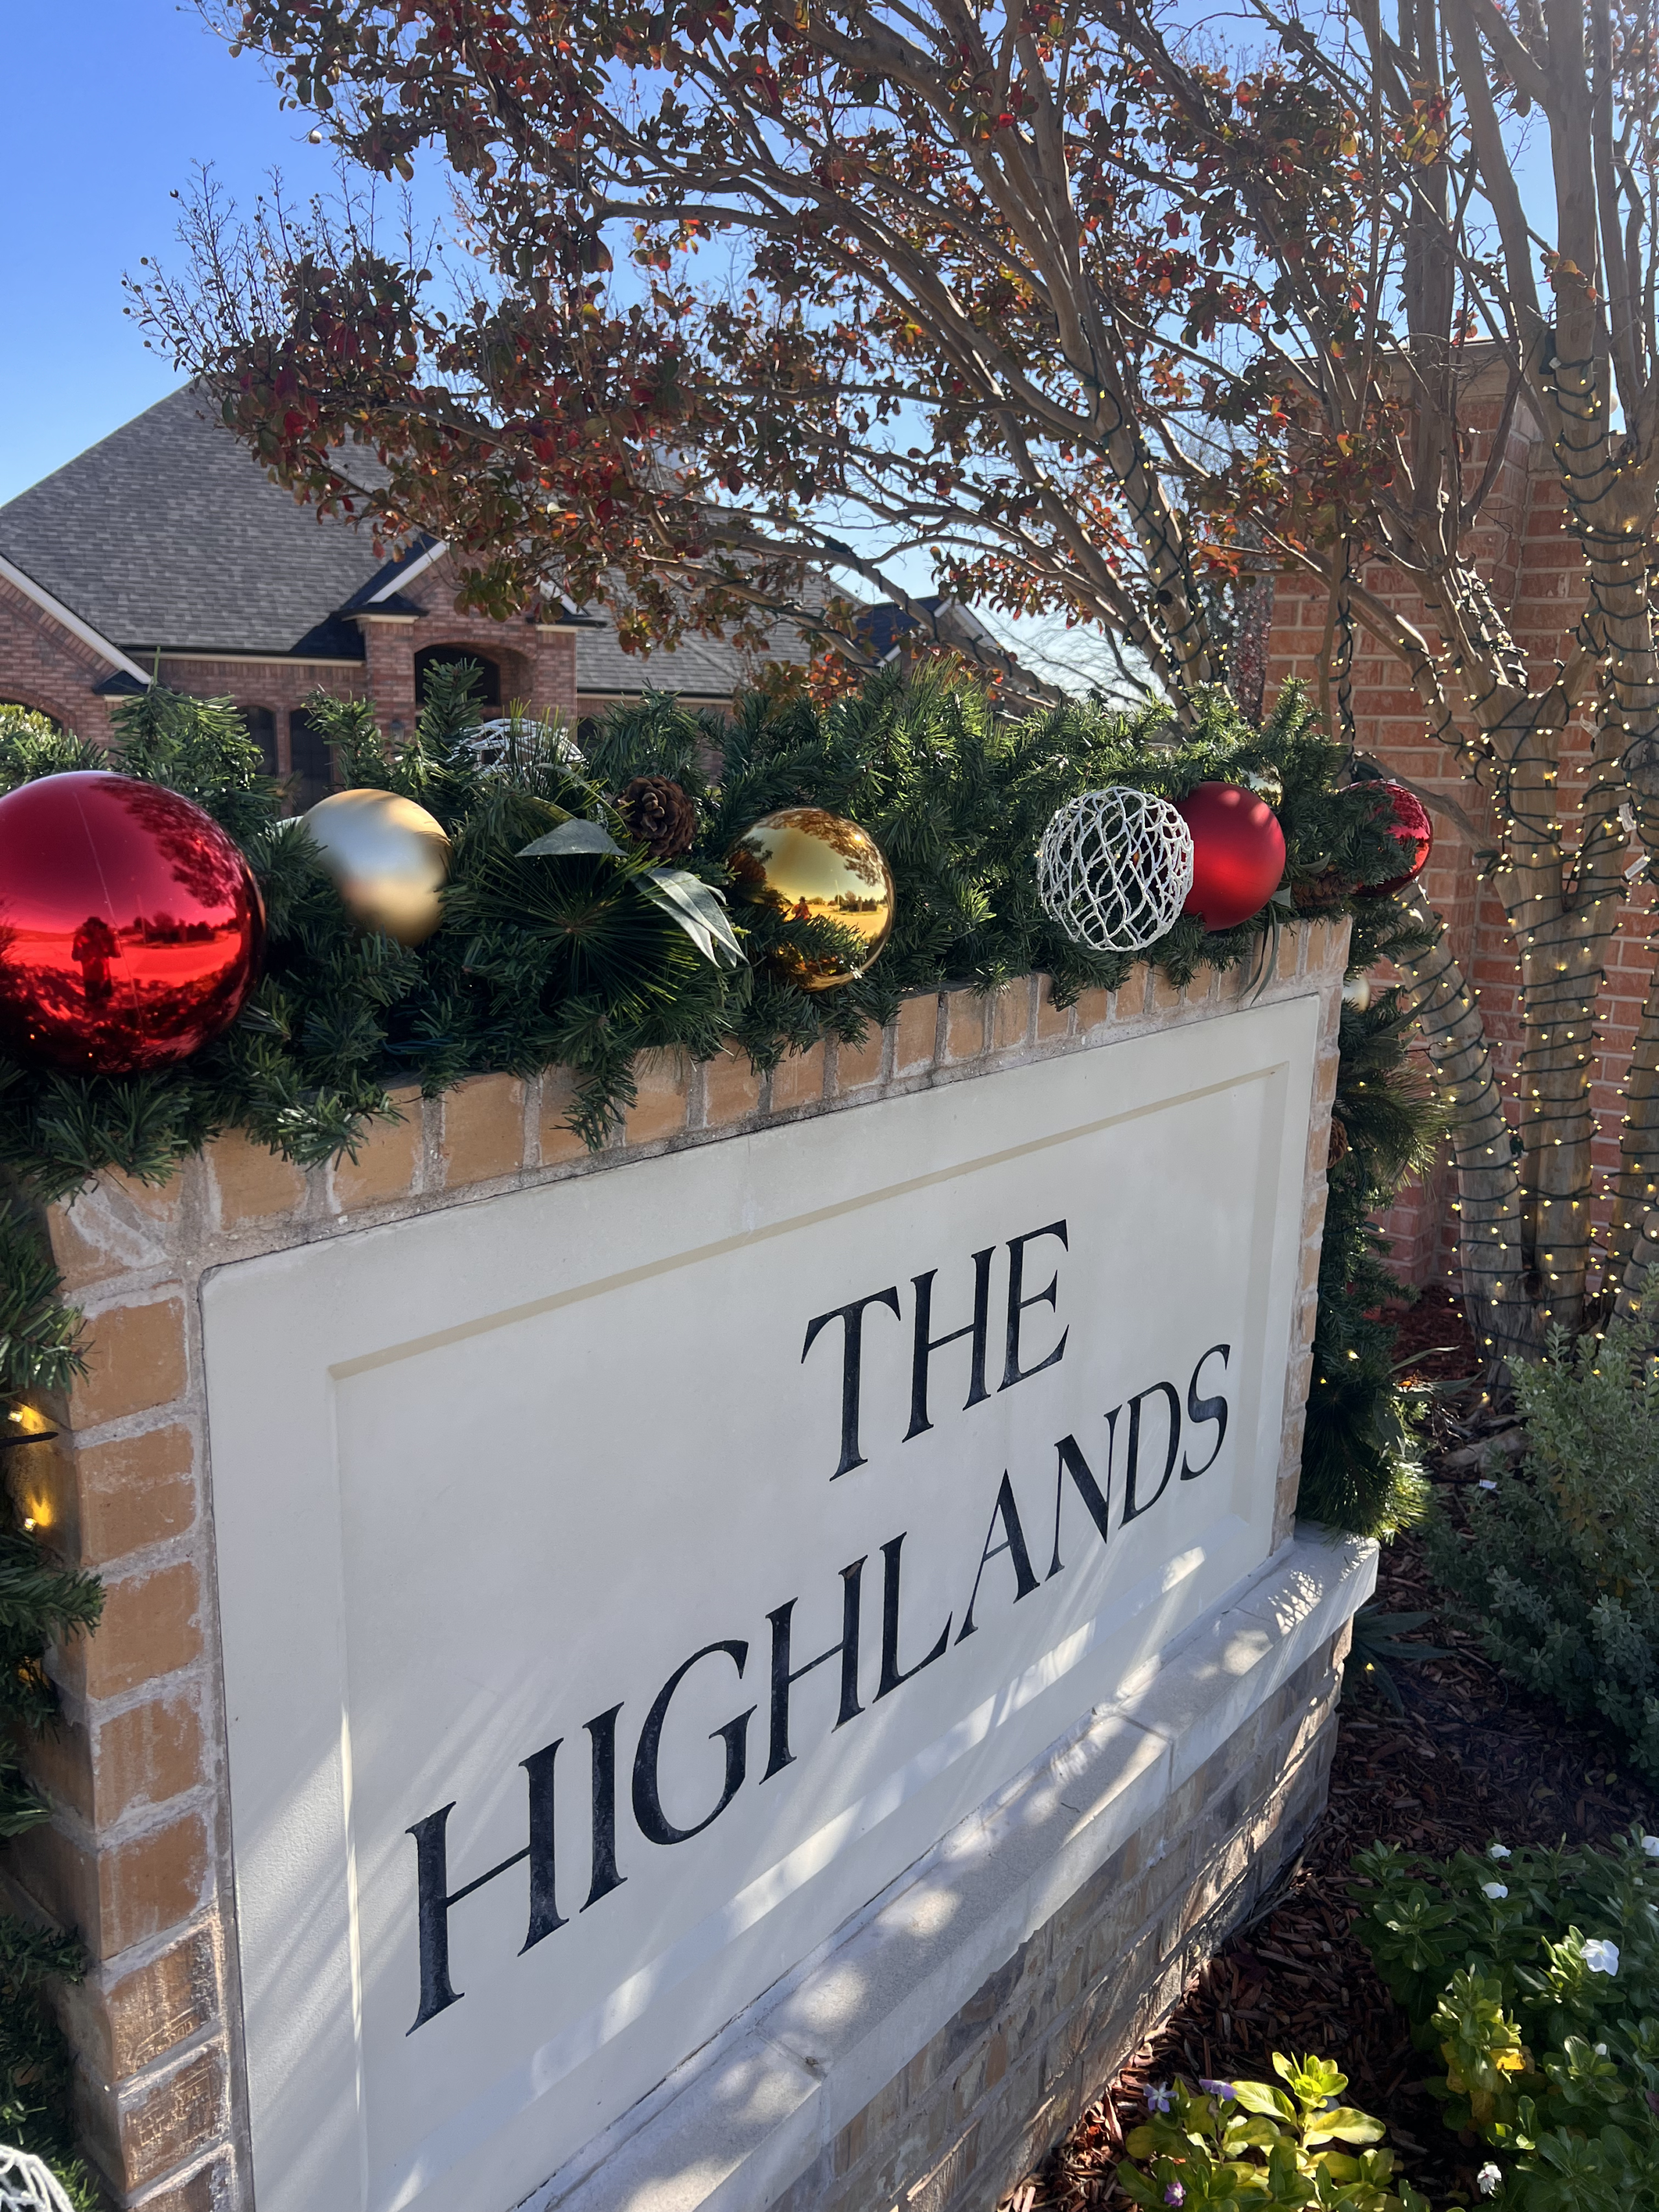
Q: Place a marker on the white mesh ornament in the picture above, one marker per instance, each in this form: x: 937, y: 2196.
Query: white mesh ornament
x: 26, y: 2185
x: 1114, y: 868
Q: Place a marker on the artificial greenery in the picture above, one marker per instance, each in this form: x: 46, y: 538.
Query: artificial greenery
x: 1559, y: 1565
x: 41, y: 1602
x: 1361, y: 1469
x: 568, y: 959
x: 1255, y: 2147
x: 1532, y: 1976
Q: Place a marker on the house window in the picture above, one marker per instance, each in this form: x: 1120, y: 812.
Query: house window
x: 314, y: 765
x: 488, y: 689
x: 262, y: 728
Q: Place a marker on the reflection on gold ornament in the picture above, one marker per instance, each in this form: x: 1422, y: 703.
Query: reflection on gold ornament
x: 816, y: 867
x: 1267, y: 783
x: 389, y: 857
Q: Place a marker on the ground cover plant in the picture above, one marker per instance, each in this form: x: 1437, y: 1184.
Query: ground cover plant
x: 1264, y: 2147
x: 1532, y: 1976
x: 1557, y: 1560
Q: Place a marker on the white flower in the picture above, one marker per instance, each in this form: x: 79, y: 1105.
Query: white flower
x: 1487, y: 2180
x: 1489, y: 1485
x: 1651, y: 1845
x: 1498, y: 1851
x: 1601, y: 2050
x: 1493, y: 1890
x: 1601, y: 1956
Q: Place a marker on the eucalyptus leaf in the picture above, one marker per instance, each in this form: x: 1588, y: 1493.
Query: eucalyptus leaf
x: 699, y: 910
x: 573, y: 836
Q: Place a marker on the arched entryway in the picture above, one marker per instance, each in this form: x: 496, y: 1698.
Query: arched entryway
x: 487, y: 691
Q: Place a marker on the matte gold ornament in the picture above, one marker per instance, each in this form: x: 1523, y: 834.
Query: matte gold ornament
x: 817, y: 866
x: 389, y: 857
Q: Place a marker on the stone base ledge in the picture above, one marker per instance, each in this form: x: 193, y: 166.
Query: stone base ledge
x: 1131, y: 1836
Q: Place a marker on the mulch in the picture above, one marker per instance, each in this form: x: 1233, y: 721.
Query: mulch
x: 1472, y: 1759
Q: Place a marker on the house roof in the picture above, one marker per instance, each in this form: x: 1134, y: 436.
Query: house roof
x: 165, y: 533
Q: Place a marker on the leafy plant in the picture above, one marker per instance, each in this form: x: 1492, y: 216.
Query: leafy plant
x: 1251, y: 2144
x: 1534, y: 1977
x: 1378, y: 1648
x: 1559, y: 1567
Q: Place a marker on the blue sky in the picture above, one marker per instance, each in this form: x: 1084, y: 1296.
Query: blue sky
x: 108, y: 104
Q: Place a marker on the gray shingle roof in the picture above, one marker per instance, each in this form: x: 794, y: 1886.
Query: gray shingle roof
x: 165, y: 533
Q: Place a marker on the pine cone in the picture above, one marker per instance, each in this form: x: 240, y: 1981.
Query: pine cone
x: 1339, y: 1144
x: 660, y: 814
x: 1319, y: 893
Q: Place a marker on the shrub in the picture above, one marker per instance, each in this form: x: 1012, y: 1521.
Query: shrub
x: 1533, y: 1976
x: 1560, y: 1565
x: 1247, y: 2144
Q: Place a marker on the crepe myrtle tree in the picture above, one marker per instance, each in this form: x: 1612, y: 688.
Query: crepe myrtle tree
x: 1104, y: 319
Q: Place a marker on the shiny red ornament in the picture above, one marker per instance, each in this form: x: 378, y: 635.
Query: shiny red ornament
x: 130, y: 925
x: 1238, y: 852
x: 1413, y: 832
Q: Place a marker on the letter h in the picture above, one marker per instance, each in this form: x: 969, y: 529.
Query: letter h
x: 432, y: 1872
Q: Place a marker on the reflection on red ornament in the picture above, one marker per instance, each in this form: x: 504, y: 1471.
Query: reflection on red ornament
x: 130, y: 925
x: 1238, y: 852
x: 1413, y: 832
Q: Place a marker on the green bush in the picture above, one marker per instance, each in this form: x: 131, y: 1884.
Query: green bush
x: 1534, y: 1977
x: 1249, y: 2145
x: 1560, y: 1565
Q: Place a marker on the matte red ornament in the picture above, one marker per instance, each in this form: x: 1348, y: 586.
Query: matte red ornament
x: 130, y: 925
x: 1413, y: 832
x: 1238, y: 852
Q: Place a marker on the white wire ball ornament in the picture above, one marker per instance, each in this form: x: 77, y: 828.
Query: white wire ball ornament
x: 1114, y: 868
x: 26, y: 2185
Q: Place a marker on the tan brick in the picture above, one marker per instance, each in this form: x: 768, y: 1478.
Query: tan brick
x: 138, y: 1490
x: 1130, y: 999
x: 659, y: 1109
x: 144, y: 1756
x: 135, y: 1360
x: 797, y: 1080
x: 152, y: 1883
x: 1166, y: 993
x: 917, y: 1035
x: 964, y: 1025
x: 162, y: 2004
x: 388, y: 1161
x: 556, y: 1142
x: 151, y: 1626
x: 1052, y: 1021
x: 253, y: 1183
x: 175, y: 2117
x: 1094, y: 1010
x: 206, y: 2189
x: 1010, y: 1015
x: 484, y: 1130
x: 116, y: 1898
x: 857, y: 1066
x: 732, y: 1088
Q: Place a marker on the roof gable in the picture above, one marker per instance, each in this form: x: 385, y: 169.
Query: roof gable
x: 166, y: 533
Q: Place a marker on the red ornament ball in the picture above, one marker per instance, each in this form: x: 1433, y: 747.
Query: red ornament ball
x: 1238, y: 852
x: 130, y: 925
x: 1413, y: 832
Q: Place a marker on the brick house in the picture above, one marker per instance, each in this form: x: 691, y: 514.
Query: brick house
x: 1537, y: 572
x: 165, y: 550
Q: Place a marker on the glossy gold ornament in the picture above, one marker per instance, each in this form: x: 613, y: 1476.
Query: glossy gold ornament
x: 816, y: 867
x: 389, y: 857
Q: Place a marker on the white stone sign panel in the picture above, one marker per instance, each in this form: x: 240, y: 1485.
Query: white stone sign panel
x: 623, y: 1579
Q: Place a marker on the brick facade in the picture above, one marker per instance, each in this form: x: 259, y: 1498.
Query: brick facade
x: 135, y: 1857
x: 1537, y: 577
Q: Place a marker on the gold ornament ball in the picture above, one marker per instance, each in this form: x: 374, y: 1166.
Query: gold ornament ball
x: 389, y: 857
x: 816, y: 867
x: 1356, y: 993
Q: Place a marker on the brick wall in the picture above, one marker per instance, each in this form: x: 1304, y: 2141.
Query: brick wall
x: 1536, y: 575
x: 137, y: 1855
x: 45, y: 666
